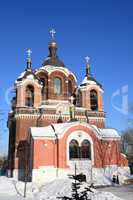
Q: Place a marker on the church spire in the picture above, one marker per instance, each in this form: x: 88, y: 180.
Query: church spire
x: 53, y: 59
x: 29, y: 60
x: 52, y: 44
x: 87, y: 58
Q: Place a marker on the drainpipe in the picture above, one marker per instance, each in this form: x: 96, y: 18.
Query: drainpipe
x: 57, y: 150
x: 87, y: 118
x: 40, y: 115
x: 91, y: 173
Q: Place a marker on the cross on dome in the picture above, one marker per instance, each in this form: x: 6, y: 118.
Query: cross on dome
x: 52, y: 33
x: 29, y: 52
x: 87, y: 58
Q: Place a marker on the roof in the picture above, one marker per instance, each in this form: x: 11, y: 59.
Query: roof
x: 27, y: 74
x: 109, y: 133
x: 53, y: 58
x: 89, y: 80
x: 49, y: 69
x: 48, y: 131
x: 60, y: 129
x: 53, y: 61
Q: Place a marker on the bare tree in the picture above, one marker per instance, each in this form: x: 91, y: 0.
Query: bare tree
x: 127, y: 146
x: 127, y: 142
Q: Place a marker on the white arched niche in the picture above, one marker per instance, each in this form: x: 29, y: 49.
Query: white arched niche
x: 79, y: 136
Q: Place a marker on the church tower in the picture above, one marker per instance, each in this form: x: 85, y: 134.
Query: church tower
x: 90, y: 98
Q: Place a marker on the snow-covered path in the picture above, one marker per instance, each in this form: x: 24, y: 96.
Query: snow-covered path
x: 49, y: 191
x: 125, y: 192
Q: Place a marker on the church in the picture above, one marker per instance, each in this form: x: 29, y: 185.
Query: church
x: 56, y: 125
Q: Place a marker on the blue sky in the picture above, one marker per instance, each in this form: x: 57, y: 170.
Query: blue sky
x: 102, y: 30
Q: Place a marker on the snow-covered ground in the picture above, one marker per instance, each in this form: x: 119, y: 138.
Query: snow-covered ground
x: 11, y: 189
x: 125, y: 191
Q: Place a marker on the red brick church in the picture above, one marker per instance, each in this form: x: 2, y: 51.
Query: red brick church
x: 55, y: 124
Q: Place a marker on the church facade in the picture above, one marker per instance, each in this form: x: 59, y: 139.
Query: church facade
x: 55, y: 125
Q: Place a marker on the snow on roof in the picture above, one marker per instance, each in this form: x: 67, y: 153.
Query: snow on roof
x: 60, y: 129
x: 48, y: 131
x: 90, y: 82
x: 50, y: 69
x: 22, y: 75
x: 109, y: 133
x: 42, y: 131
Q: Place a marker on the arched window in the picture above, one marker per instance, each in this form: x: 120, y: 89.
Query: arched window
x: 86, y: 149
x: 93, y: 100
x: 73, y: 149
x: 57, y: 86
x: 79, y: 99
x: 29, y: 99
x: 70, y: 87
